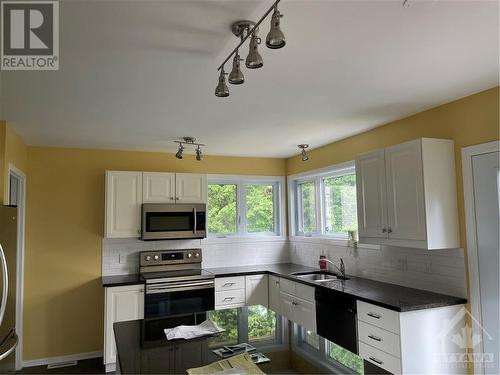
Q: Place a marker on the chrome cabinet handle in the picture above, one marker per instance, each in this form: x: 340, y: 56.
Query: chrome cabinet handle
x: 376, y: 360
x: 384, y: 230
x: 373, y: 315
x: 227, y: 285
x: 229, y: 298
x: 373, y: 337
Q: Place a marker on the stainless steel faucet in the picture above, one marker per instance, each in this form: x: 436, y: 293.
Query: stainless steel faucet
x: 341, y: 269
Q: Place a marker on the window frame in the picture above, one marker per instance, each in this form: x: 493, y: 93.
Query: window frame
x: 318, y: 177
x: 241, y: 183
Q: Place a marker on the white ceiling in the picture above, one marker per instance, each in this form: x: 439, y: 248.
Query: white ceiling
x: 138, y: 74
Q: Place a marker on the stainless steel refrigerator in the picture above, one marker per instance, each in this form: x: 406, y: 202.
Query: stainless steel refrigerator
x: 8, y: 263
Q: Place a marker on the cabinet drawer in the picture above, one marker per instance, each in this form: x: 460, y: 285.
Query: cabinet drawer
x: 378, y: 316
x: 287, y: 286
x: 379, y: 338
x: 305, y: 292
x: 380, y: 358
x: 230, y: 297
x: 229, y: 283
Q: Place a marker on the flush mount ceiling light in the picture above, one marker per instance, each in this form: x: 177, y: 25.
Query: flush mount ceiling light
x: 303, y: 153
x: 248, y: 29
x: 189, y: 141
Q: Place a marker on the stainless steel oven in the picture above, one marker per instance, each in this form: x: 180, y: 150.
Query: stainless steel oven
x: 175, y: 283
x: 173, y: 221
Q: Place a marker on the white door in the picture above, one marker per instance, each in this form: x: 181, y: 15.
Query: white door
x: 371, y: 194
x: 305, y: 314
x: 122, y: 303
x: 486, y: 186
x: 405, y: 191
x: 123, y: 204
x: 257, y: 290
x: 191, y: 188
x: 287, y: 306
x: 158, y: 187
x: 274, y: 294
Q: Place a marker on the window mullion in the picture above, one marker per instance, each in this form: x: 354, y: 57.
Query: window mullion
x: 243, y: 324
x: 319, y: 206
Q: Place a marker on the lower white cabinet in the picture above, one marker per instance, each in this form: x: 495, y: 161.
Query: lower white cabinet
x: 121, y: 303
x: 296, y: 302
x: 413, y: 342
x: 257, y: 290
x: 274, y: 293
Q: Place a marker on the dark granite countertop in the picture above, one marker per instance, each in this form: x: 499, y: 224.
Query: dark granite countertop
x: 391, y: 296
x: 121, y: 280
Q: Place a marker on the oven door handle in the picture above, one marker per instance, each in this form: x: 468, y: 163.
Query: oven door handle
x: 165, y: 288
x: 194, y: 220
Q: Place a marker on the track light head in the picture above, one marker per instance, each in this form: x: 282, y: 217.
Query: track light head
x: 236, y: 76
x: 275, y: 38
x: 199, y: 153
x: 303, y: 153
x: 254, y: 59
x: 180, y: 152
x: 222, y: 90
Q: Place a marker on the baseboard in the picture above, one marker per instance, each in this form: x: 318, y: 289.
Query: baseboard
x: 64, y: 358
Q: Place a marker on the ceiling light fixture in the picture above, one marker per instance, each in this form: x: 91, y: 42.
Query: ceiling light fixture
x: 189, y: 141
x: 303, y: 153
x: 247, y: 29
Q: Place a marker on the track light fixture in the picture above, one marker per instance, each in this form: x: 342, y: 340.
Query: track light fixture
x: 247, y: 29
x: 222, y: 90
x: 275, y: 38
x: 189, y: 141
x: 303, y: 153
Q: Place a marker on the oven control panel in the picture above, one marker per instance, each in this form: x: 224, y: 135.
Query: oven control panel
x: 166, y: 257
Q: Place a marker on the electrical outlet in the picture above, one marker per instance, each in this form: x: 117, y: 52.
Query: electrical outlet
x: 402, y: 265
x: 428, y: 267
x: 122, y: 259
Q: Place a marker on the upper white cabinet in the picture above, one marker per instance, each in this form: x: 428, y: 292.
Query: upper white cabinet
x: 190, y: 188
x: 126, y: 191
x: 407, y: 195
x: 123, y: 204
x: 158, y: 187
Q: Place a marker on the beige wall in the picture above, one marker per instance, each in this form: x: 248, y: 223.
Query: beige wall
x: 65, y: 219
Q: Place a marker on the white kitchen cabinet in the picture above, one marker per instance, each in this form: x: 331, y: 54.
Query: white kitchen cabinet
x: 121, y: 303
x: 123, y: 204
x: 190, y: 188
x: 407, y: 195
x: 274, y: 294
x: 230, y: 292
x: 158, y: 187
x: 297, y: 303
x: 413, y: 342
x: 257, y: 290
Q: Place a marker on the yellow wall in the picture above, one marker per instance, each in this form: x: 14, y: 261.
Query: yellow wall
x: 65, y: 219
x: 2, y: 157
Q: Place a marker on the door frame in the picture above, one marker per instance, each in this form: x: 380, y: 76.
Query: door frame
x: 470, y: 224
x: 21, y: 216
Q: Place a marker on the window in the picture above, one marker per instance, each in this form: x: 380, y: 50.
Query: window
x: 324, y: 203
x: 242, y: 206
x: 254, y: 324
x: 327, y: 353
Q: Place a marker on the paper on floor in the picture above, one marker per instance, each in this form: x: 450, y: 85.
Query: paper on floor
x: 190, y: 332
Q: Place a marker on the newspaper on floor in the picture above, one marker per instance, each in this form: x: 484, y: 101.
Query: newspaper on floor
x: 240, y: 364
x: 190, y: 332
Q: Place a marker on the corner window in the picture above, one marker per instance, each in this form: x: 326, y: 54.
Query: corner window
x: 324, y: 203
x: 244, y: 207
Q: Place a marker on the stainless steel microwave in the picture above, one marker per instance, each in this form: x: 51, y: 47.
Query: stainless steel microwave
x: 173, y: 221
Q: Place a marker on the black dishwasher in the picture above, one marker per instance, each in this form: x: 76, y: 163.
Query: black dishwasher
x: 336, y: 318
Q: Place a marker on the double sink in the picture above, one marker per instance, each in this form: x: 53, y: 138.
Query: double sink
x: 319, y: 276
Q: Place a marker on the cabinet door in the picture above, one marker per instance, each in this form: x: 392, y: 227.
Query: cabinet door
x: 274, y: 294
x: 158, y: 187
x: 257, y: 290
x: 190, y: 188
x: 305, y: 314
x: 122, y: 303
x: 405, y: 191
x: 371, y: 195
x: 123, y: 204
x: 287, y: 306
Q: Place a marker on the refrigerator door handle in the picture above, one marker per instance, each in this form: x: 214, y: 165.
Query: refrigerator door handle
x: 8, y: 344
x: 5, y: 279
